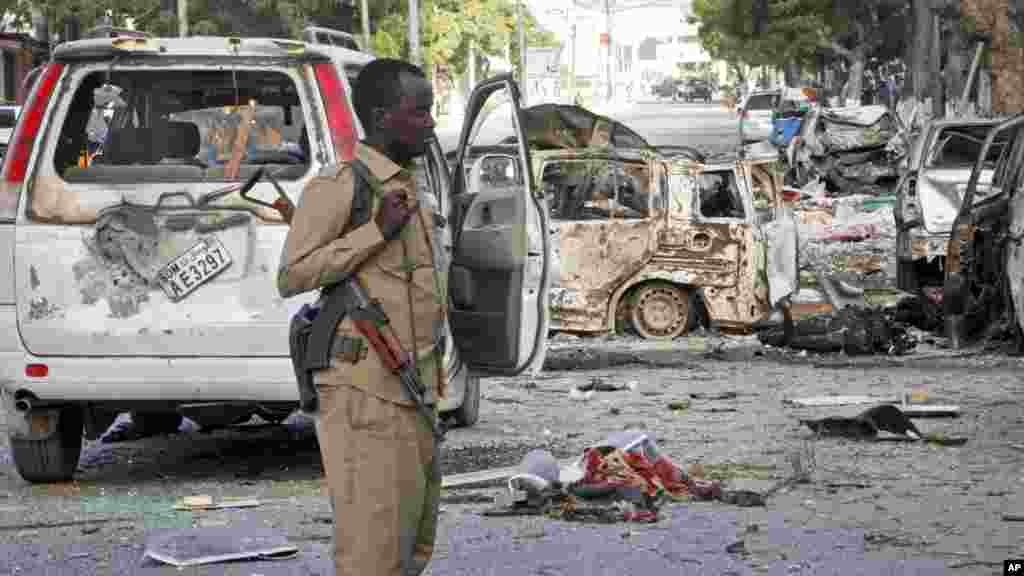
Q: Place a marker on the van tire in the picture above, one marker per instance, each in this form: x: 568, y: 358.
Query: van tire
x: 156, y: 423
x: 54, y: 459
x: 468, y: 412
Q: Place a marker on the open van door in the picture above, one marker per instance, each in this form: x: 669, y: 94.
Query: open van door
x: 500, y: 271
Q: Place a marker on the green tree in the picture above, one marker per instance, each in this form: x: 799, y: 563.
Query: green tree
x: 736, y: 32
x: 783, y: 33
x: 448, y: 27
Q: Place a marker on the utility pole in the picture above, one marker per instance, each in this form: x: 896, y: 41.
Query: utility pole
x: 572, y: 65
x: 364, y: 14
x: 414, y: 32
x: 183, y: 18
x: 921, y: 48
x: 935, y: 67
x: 610, y: 54
x: 522, y: 52
x: 472, y: 62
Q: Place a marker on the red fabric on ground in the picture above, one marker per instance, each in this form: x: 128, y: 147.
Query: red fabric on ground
x: 614, y: 468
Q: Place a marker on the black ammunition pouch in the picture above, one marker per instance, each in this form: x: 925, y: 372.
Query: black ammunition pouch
x: 314, y: 342
x: 298, y: 342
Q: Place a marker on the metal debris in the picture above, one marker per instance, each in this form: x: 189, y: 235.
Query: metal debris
x: 213, y: 545
x: 204, y: 502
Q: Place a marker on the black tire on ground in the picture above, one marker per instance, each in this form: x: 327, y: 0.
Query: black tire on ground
x: 154, y: 423
x: 469, y: 411
x: 55, y: 458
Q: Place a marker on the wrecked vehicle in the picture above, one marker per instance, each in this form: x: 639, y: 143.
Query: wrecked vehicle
x: 930, y: 193
x: 647, y: 238
x: 983, y: 289
x: 140, y: 279
x: 855, y: 150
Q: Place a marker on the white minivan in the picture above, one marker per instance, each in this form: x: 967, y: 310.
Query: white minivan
x: 135, y: 276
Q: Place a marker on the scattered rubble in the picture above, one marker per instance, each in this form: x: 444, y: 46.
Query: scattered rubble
x: 213, y: 545
x: 850, y: 330
x: 856, y: 149
x: 623, y: 479
x: 599, y: 384
x: 882, y: 418
x: 204, y: 502
x: 867, y: 424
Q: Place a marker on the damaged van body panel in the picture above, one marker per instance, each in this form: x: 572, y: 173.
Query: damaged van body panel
x: 155, y: 253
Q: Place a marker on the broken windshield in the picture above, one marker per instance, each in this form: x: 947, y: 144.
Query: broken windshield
x: 960, y: 147
x: 182, y: 125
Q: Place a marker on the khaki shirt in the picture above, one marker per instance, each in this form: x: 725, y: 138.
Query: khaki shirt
x: 316, y: 253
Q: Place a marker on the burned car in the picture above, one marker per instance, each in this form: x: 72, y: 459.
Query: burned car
x: 983, y: 289
x: 930, y: 194
x: 646, y: 238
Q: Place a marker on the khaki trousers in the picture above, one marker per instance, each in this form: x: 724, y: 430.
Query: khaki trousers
x: 383, y: 475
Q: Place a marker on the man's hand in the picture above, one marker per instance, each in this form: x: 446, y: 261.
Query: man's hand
x: 395, y: 211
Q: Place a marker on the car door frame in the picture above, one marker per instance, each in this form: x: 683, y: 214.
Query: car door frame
x: 534, y: 201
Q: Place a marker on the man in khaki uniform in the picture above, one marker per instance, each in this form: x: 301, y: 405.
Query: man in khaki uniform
x: 379, y: 453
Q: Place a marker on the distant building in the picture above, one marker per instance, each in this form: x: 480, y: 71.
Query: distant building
x: 649, y: 38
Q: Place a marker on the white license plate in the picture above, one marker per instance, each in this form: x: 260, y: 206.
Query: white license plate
x: 197, y: 266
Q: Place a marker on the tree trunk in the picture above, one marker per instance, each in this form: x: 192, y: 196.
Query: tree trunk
x: 1007, y: 77
x: 792, y: 73
x: 855, y: 85
x: 935, y: 69
x: 920, y: 47
x: 958, y: 59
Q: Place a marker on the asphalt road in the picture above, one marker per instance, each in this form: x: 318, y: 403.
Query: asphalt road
x: 870, y: 508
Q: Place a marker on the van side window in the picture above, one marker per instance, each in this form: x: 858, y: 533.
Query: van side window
x: 719, y: 195
x: 597, y: 190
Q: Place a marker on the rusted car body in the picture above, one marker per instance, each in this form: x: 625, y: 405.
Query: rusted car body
x: 984, y: 276
x: 653, y: 239
x: 930, y: 193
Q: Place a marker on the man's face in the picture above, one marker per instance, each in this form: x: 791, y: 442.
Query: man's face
x: 410, y: 124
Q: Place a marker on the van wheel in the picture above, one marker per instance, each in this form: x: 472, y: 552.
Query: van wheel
x: 660, y: 311
x: 55, y: 458
x: 156, y: 423
x: 469, y: 411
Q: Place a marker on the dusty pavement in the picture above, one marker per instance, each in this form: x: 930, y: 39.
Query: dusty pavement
x: 870, y: 508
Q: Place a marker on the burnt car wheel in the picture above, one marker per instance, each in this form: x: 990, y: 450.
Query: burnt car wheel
x: 660, y: 311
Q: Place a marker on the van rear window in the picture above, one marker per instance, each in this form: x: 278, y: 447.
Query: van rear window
x: 171, y: 125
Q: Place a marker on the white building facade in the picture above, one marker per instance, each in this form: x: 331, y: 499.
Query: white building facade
x: 648, y: 41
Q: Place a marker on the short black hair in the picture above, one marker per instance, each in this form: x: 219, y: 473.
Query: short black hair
x: 379, y: 85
